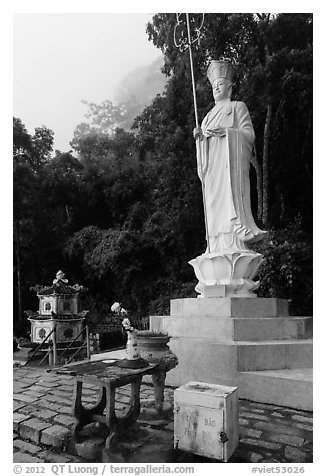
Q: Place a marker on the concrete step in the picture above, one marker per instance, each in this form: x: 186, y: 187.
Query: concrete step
x: 225, y: 329
x: 284, y: 328
x: 229, y: 307
x: 291, y: 388
x: 269, y: 355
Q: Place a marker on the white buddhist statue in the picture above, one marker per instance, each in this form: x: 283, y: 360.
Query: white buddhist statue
x: 224, y: 147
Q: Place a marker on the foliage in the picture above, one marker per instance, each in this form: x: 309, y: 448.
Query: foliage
x: 125, y: 217
x: 138, y: 89
x: 135, y: 91
x: 273, y: 59
x: 104, y: 118
x: 287, y: 268
x: 34, y: 150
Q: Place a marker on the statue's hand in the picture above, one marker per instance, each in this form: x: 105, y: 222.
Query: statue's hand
x: 217, y: 132
x: 198, y: 133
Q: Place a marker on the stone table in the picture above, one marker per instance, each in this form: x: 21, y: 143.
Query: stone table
x: 108, y: 376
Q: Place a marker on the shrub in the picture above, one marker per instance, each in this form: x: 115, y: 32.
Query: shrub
x: 287, y: 268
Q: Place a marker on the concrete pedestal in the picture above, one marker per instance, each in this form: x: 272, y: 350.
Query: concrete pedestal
x: 234, y: 341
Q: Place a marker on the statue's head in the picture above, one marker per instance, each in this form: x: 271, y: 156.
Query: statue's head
x: 220, y: 75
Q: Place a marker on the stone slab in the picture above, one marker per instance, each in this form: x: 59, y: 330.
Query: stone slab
x: 20, y: 457
x: 294, y: 454
x: 18, y: 418
x: 18, y: 405
x: 31, y: 429
x: 220, y: 363
x: 229, y: 307
x: 291, y: 388
x: 207, y: 327
x: 285, y: 328
x: 43, y: 414
x: 24, y: 446
x: 266, y: 355
x: 210, y: 361
x: 55, y: 436
x: 238, y: 329
x: 65, y: 420
x: 57, y: 400
x: 25, y: 398
x: 54, y: 457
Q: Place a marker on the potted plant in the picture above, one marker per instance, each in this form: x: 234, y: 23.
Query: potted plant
x: 153, y: 347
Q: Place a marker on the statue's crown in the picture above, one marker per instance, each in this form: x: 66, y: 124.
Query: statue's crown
x: 220, y: 69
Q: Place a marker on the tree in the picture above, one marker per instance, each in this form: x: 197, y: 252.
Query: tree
x: 135, y: 91
x: 25, y: 186
x: 126, y: 216
x: 280, y: 49
x: 104, y: 118
x: 45, y: 189
x: 273, y: 54
x: 22, y: 142
x: 30, y: 153
x: 138, y: 89
x: 32, y: 149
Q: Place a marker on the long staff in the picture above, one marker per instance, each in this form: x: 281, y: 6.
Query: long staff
x: 184, y: 43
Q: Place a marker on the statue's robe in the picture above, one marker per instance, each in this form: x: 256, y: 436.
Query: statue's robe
x: 225, y: 171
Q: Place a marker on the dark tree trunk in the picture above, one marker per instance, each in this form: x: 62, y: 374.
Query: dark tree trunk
x: 267, y: 133
x: 20, y: 310
x: 259, y: 185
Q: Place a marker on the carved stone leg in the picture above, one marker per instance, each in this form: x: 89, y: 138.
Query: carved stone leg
x: 158, y: 379
x: 75, y: 435
x: 100, y: 405
x: 77, y: 410
x: 135, y: 400
x: 111, y: 418
x: 117, y: 425
x: 77, y: 407
x: 84, y: 415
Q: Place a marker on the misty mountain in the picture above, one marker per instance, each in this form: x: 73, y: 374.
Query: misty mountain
x: 137, y: 90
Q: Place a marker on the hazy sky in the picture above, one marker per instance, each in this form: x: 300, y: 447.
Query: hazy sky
x: 60, y: 59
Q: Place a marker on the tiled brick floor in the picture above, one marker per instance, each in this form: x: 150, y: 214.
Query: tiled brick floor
x: 42, y: 423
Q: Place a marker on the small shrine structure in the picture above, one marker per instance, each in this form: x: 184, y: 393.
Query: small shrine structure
x: 58, y: 325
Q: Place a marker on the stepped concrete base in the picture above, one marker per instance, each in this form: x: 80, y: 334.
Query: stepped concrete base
x: 210, y: 360
x: 218, y: 364
x: 224, y: 329
x: 231, y: 341
x: 290, y: 388
x: 229, y: 307
x: 277, y: 354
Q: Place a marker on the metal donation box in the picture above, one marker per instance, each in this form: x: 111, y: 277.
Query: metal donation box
x: 206, y: 420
